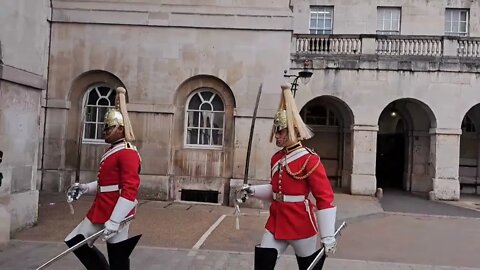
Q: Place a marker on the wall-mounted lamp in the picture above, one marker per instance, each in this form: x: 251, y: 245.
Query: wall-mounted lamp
x: 304, y: 76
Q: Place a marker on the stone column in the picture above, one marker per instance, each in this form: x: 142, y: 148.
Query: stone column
x: 445, y: 159
x: 363, y: 180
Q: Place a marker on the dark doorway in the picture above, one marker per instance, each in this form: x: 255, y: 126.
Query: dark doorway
x: 390, y: 160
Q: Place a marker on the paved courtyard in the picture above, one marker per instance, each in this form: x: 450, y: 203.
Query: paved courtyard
x: 417, y: 234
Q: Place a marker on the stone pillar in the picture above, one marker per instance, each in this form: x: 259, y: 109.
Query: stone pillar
x: 369, y: 44
x: 363, y: 180
x: 445, y: 159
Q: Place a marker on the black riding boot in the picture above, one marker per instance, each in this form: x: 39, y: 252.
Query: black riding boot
x: 119, y: 253
x: 90, y: 257
x: 265, y: 258
x: 304, y: 262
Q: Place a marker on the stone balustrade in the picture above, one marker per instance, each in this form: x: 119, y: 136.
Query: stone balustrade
x: 394, y: 45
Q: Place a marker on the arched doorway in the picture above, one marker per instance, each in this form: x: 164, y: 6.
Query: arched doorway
x: 403, y: 146
x: 331, y: 120
x: 469, y: 152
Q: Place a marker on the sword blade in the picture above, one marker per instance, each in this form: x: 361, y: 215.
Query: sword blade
x: 73, y: 248
x: 322, y: 250
x: 78, y: 245
x: 250, y: 137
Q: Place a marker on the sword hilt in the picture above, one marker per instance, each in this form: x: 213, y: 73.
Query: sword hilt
x: 338, y: 232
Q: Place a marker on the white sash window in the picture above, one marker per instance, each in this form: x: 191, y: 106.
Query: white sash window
x: 204, y: 121
x: 97, y: 100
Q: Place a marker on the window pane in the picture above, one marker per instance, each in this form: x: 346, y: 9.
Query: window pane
x: 104, y: 102
x: 91, y: 114
x: 192, y: 120
x: 205, y: 136
x: 101, y: 113
x: 218, y: 120
x: 104, y: 91
x: 89, y: 132
x: 192, y: 136
x: 100, y: 131
x: 463, y: 16
x: 328, y: 24
x: 195, y: 102
x: 217, y: 136
x: 206, y: 95
x: 395, y: 26
x: 206, y: 107
x: 218, y: 104
x: 92, y: 97
x: 111, y: 98
x: 463, y: 27
x: 206, y: 119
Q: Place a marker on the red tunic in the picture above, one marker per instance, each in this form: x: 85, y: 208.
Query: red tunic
x: 120, y: 165
x: 296, y: 220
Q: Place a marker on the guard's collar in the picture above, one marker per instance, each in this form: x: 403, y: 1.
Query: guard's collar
x: 122, y: 140
x: 293, y: 147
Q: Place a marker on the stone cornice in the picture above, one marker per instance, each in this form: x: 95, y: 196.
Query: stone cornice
x: 18, y: 76
x: 274, y: 19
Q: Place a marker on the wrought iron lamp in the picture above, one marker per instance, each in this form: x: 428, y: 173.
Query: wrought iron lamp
x: 303, y: 75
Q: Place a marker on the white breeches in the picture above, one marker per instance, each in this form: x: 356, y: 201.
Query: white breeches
x: 302, y: 247
x: 87, y: 229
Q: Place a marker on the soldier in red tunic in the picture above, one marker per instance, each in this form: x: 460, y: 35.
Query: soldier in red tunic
x: 296, y: 171
x: 115, y: 192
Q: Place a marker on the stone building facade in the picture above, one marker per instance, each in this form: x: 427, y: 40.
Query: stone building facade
x: 24, y: 41
x: 393, y: 99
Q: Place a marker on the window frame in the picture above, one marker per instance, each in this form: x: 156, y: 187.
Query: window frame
x: 384, y: 31
x: 330, y: 114
x: 186, y: 127
x: 100, y: 141
x: 467, y: 22
x: 317, y: 10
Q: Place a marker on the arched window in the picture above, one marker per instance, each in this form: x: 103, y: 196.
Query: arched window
x: 205, y: 119
x: 468, y: 126
x: 97, y: 101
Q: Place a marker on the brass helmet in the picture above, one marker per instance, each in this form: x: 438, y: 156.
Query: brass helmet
x: 287, y: 116
x: 118, y: 116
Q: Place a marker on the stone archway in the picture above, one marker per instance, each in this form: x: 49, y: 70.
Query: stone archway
x: 403, y: 146
x: 469, y: 163
x: 331, y: 119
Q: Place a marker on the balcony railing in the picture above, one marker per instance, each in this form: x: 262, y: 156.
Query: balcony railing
x: 394, y: 45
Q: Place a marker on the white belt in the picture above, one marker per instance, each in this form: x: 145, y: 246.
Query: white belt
x: 279, y: 197
x: 110, y: 188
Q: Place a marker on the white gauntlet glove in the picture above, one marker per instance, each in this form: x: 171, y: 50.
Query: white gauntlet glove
x: 111, y: 228
x: 326, y: 227
x: 262, y: 192
x: 120, y: 212
x: 75, y: 191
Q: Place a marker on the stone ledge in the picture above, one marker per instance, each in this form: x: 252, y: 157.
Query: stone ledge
x: 389, y: 63
x: 446, y: 131
x: 18, y: 76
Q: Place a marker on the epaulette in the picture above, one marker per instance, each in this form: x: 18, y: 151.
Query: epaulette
x: 129, y: 145
x: 310, y: 150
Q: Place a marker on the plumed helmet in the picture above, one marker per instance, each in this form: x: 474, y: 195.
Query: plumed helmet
x: 287, y: 116
x: 118, y: 116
